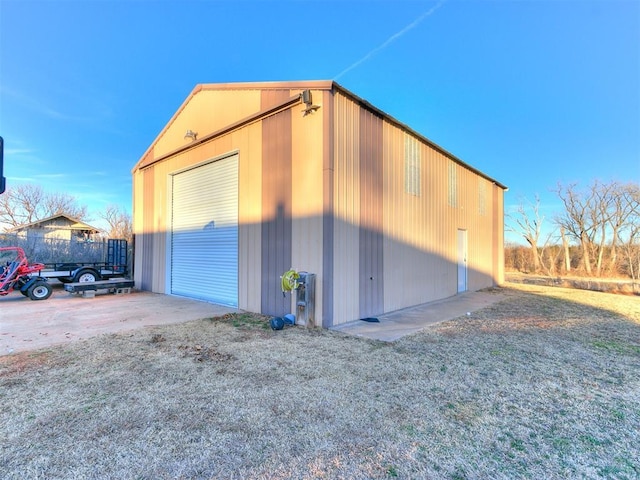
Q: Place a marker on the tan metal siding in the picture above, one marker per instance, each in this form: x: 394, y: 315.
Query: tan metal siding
x: 307, y: 196
x: 498, y: 234
x: 248, y: 141
x: 418, y: 263
x: 206, y: 112
x: 277, y: 224
x: 328, y: 181
x: 148, y: 231
x: 138, y: 231
x: 273, y: 97
x: 276, y: 213
x: 161, y: 227
x: 346, y: 200
x: 480, y: 229
x: 419, y: 231
x: 370, y: 268
x: 420, y: 252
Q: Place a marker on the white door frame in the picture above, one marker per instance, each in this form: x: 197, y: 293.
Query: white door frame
x: 462, y: 260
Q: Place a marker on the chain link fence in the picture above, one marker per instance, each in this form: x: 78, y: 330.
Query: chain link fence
x: 55, y: 250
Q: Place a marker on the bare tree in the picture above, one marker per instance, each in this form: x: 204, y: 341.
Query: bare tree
x: 120, y: 225
x: 551, y: 251
x: 28, y: 203
x: 601, y: 220
x: 632, y: 251
x: 603, y: 195
x: 631, y: 230
x: 527, y: 223
x: 577, y: 220
x: 565, y: 248
x: 624, y: 215
x: 597, y: 217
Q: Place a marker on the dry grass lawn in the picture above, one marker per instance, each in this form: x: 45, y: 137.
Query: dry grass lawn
x: 545, y: 384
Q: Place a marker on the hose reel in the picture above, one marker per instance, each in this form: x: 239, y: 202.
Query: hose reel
x: 304, y: 285
x: 289, y: 281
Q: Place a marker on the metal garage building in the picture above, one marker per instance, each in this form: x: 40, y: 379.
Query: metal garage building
x: 248, y: 180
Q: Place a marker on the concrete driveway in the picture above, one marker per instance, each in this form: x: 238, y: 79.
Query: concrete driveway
x: 63, y: 318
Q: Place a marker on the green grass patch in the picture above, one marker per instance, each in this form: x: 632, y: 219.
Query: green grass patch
x: 245, y: 320
x: 618, y: 347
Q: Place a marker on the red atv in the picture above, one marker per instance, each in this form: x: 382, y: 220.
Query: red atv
x: 16, y: 274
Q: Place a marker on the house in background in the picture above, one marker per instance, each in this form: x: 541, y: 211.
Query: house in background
x: 248, y: 180
x: 59, y: 227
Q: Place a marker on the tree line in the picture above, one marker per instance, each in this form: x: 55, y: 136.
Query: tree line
x: 28, y: 203
x: 597, y: 234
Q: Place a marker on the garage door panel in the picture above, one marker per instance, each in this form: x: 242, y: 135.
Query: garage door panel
x: 204, y: 246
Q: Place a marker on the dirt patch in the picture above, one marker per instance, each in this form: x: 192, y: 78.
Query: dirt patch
x: 542, y: 385
x: 21, y: 362
x: 204, y: 354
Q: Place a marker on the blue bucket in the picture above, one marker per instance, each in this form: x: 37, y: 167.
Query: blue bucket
x: 277, y: 323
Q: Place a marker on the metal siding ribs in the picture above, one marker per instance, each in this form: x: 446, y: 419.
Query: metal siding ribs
x: 276, y: 212
x: 371, y: 196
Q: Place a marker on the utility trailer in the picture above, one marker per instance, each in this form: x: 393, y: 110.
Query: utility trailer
x: 116, y: 265
x: 115, y: 285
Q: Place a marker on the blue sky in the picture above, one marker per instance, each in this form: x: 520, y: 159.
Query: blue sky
x: 530, y: 92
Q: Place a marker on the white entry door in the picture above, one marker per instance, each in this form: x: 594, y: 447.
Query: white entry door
x: 204, y: 232
x: 462, y: 261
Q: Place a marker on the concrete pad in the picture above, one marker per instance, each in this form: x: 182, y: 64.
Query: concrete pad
x: 28, y: 325
x: 395, y: 325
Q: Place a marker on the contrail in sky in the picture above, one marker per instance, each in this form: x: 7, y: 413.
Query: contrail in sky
x: 390, y: 40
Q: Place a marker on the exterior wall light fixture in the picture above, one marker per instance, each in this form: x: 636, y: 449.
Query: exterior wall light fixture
x: 190, y: 134
x: 305, y: 96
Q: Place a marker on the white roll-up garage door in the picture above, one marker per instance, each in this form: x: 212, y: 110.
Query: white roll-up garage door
x: 204, y: 232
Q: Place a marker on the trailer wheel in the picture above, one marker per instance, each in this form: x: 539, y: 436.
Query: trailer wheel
x: 39, y: 291
x: 86, y: 276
